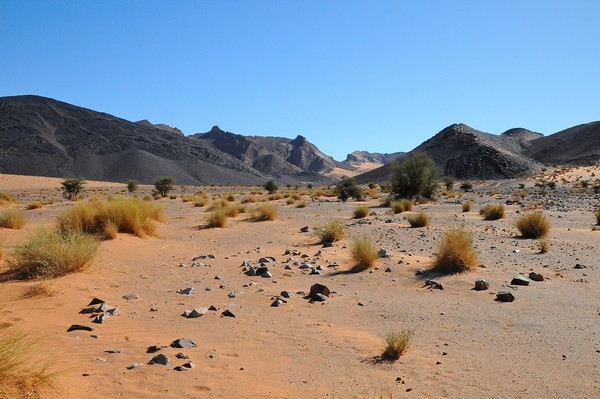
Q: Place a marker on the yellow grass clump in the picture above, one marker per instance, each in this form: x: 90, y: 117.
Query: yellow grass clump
x: 264, y: 212
x: 533, y: 225
x: 418, y: 219
x: 404, y: 205
x: 466, y: 206
x: 301, y: 204
x: 492, y: 211
x: 544, y: 245
x: 7, y: 198
x: 117, y: 215
x: 53, y: 253
x: 363, y: 252
x: 360, y: 212
x: 330, y: 231
x: 396, y: 343
x: 456, y: 253
x: 217, y: 218
x: 12, y: 219
x: 41, y: 288
x: 249, y: 199
x: 35, y: 205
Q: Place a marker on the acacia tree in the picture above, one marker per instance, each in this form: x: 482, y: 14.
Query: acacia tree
x: 270, y: 186
x: 346, y: 189
x: 72, y: 187
x: 414, y: 175
x: 163, y: 185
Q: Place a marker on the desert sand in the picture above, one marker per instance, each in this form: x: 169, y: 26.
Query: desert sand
x: 545, y: 344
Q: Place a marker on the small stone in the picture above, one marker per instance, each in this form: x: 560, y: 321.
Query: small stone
x: 195, y: 313
x: 384, y: 253
x: 154, y: 309
x: 154, y: 348
x: 505, y: 296
x: 536, y: 276
x: 420, y: 271
x: 580, y: 266
x: 481, y: 285
x: 183, y: 343
x: 180, y: 368
x: 388, y: 270
x: 266, y: 259
x: 232, y: 295
x: 113, y: 312
x: 101, y: 319
x: 180, y: 355
x: 161, y: 359
x: 130, y: 297
x: 327, y: 244
x: 286, y: 294
x: 520, y: 280
x: 96, y: 301
x: 516, y: 250
x: 189, y: 365
x: 114, y: 351
x: 201, y: 257
x: 314, y: 272
x: 276, y: 303
x: 79, y: 327
x: 266, y: 275
x: 319, y: 289
x: 133, y: 365
x: 304, y: 229
x: 95, y: 336
x: 318, y: 298
x: 227, y: 313
x: 212, y: 308
x: 217, y: 277
x: 186, y: 291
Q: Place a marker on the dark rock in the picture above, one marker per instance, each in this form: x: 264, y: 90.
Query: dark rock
x: 188, y: 365
x: 161, y: 359
x: 251, y: 271
x: 180, y: 355
x: 314, y: 272
x: 266, y: 259
x: 227, y: 313
x: 101, y: 319
x: 213, y: 308
x: 113, y: 312
x: 261, y: 270
x: 420, y: 271
x: 318, y: 289
x: 536, y: 276
x: 186, y: 291
x: 130, y: 297
x: 201, y: 257
x: 183, y: 343
x: 96, y: 301
x: 318, y: 298
x: 114, y: 351
x: 388, y: 270
x: 180, y: 368
x: 433, y: 284
x: 304, y: 229
x: 155, y: 348
x: 79, y: 327
x: 505, y: 296
x: 580, y: 266
x: 481, y: 285
x: 327, y: 244
x: 384, y: 253
x: 88, y: 310
x: 520, y: 280
x: 194, y: 313
x: 276, y: 303
x: 286, y: 294
x: 133, y: 365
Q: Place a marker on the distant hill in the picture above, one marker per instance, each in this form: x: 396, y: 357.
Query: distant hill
x: 358, y: 158
x: 277, y: 156
x: 44, y: 137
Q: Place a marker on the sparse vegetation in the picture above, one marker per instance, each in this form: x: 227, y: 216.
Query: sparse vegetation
x: 330, y: 231
x: 53, y: 253
x: 41, y: 288
x: 217, y: 218
x: 35, y: 205
x: 363, y: 252
x: 12, y: 219
x: 264, y: 212
x: 396, y: 343
x: 107, y: 218
x: 348, y: 189
x: 448, y: 182
x: 270, y: 186
x: 597, y: 213
x: 418, y: 219
x: 163, y: 185
x: 414, y: 175
x: 72, y: 187
x: 301, y: 204
x: 7, y: 198
x: 360, y: 212
x: 466, y: 206
x: 404, y: 205
x: 456, y: 253
x: 544, y: 245
x: 466, y: 186
x: 492, y: 211
x: 533, y: 225
x: 132, y: 185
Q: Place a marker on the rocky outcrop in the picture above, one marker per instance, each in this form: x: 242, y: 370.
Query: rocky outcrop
x: 358, y: 158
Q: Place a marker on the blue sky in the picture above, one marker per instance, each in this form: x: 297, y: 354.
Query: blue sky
x: 381, y: 76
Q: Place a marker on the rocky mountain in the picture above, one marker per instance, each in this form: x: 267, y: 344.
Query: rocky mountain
x: 358, y: 158
x: 578, y: 145
x: 45, y: 137
x: 277, y: 156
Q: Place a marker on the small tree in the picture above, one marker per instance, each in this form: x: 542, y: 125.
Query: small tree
x: 132, y: 185
x: 346, y: 189
x: 448, y: 182
x: 414, y: 175
x: 270, y: 186
x: 72, y: 187
x: 163, y: 185
x: 466, y: 186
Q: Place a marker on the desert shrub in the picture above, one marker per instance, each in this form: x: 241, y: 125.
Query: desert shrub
x: 418, y: 219
x: 274, y: 197
x: 466, y: 206
x: 346, y: 189
x: 360, y: 212
x: 456, y: 253
x: 492, y: 211
x: 290, y: 201
x: 466, y: 186
x: 296, y: 196
x: 264, y: 212
x: 448, y: 182
x: 396, y: 343
x: 414, y: 175
x: 596, y: 189
x: 363, y: 252
x: 53, y: 253
x: 233, y: 210
x: 12, y: 219
x: 544, y: 245
x: 132, y: 185
x: 301, y: 204
x: 403, y: 205
x: 72, y: 187
x: 270, y: 186
x: 35, y: 205
x: 330, y: 231
x: 107, y: 218
x: 173, y: 196
x: 163, y: 185
x: 217, y: 218
x: 41, y: 288
x: 7, y: 198
x: 248, y: 199
x: 230, y: 197
x: 533, y: 225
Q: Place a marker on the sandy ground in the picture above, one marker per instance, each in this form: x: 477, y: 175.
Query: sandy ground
x: 545, y: 344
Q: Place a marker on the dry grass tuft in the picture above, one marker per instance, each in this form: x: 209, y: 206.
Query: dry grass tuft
x: 330, y: 231
x: 597, y: 214
x: 404, y: 205
x: 117, y: 215
x: 456, y: 253
x: 199, y: 201
x: 264, y: 212
x: 49, y: 254
x: 12, y: 219
x: 419, y: 219
x: 492, y: 211
x: 466, y: 206
x: 533, y: 225
x: 41, y: 288
x: 7, y: 198
x: 544, y: 245
x: 360, y: 212
x: 217, y: 218
x: 301, y: 204
x: 363, y: 252
x: 35, y: 205
x: 396, y: 343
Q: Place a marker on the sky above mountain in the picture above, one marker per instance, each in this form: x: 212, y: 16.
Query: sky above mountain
x: 381, y: 76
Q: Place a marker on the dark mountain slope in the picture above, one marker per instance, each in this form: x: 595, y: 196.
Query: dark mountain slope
x: 41, y: 136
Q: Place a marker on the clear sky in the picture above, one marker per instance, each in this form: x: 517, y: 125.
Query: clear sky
x: 381, y: 76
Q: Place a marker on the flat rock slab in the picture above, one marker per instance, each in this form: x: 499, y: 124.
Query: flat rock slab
x: 183, y: 343
x: 130, y: 297
x: 79, y: 327
x: 520, y: 280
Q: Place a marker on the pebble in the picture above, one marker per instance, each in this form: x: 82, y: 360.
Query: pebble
x: 536, y: 276
x: 227, y: 313
x: 130, y: 297
x: 481, y: 285
x: 186, y: 291
x: 154, y: 348
x: 505, y: 296
x: 133, y: 365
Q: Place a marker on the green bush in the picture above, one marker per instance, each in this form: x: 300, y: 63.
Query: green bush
x: 360, y: 212
x: 72, y: 187
x: 163, y: 185
x: 414, y: 175
x: 346, y: 189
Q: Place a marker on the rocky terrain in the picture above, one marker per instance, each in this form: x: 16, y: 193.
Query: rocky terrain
x: 213, y: 313
x: 358, y: 158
